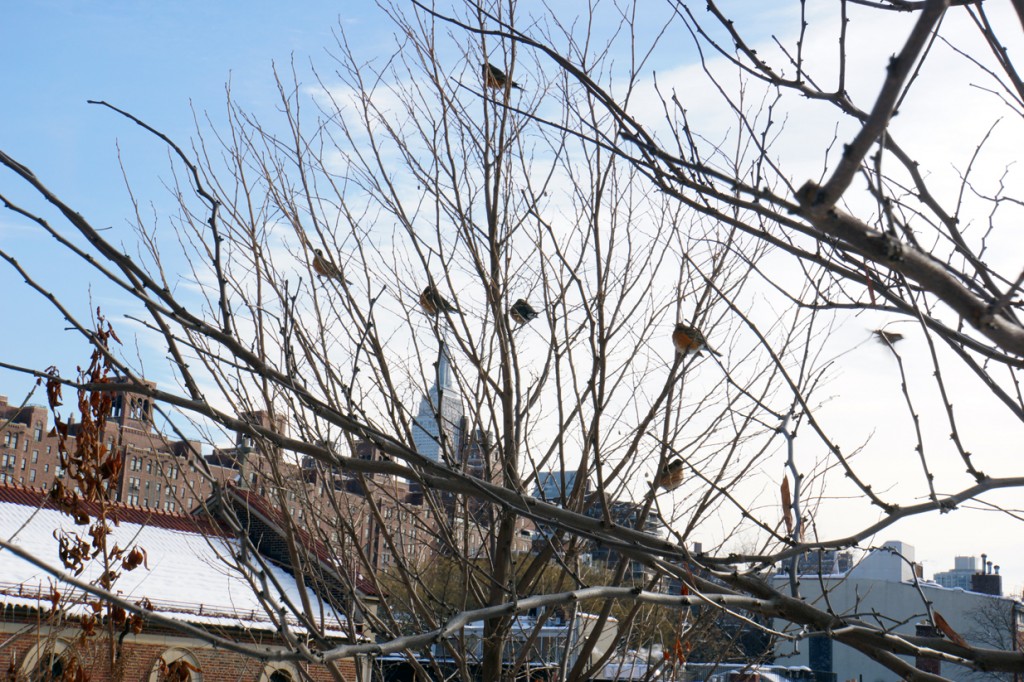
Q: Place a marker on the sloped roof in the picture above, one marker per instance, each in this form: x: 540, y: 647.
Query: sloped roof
x: 327, y: 560
x: 191, y: 575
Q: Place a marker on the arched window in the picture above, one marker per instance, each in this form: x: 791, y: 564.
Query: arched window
x: 278, y: 672
x: 50, y: 667
x: 176, y: 665
x: 47, y: 661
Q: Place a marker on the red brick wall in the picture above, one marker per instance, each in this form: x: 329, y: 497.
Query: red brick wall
x: 139, y: 656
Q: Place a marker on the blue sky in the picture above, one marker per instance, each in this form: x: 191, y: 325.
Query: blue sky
x: 163, y: 62
x: 157, y: 60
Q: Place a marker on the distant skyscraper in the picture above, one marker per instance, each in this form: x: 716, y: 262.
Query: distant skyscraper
x: 436, y: 427
x: 963, y: 568
x: 556, y: 486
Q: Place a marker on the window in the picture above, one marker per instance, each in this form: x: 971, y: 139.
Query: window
x: 7, y: 439
x: 46, y: 468
x: 39, y: 431
x: 12, y: 440
x: 48, y: 448
x: 48, y: 660
x: 59, y: 471
x: 31, y: 475
x: 278, y: 672
x: 149, y: 466
x: 177, y: 664
x: 35, y: 456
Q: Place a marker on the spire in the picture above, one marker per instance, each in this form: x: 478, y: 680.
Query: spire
x: 436, y: 427
x: 444, y: 370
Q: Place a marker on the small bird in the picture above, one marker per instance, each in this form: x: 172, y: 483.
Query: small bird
x: 687, y: 338
x: 326, y: 268
x: 495, y: 78
x: 433, y: 303
x: 522, y: 312
x: 888, y: 338
x: 671, y: 476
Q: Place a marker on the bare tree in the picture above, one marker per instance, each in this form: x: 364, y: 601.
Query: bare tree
x: 379, y: 241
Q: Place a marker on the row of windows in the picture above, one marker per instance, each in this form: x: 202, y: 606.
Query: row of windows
x: 9, y: 478
x: 133, y: 499
x: 11, y: 438
x: 172, y: 470
x: 9, y: 461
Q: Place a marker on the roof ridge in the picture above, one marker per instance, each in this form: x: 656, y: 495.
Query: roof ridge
x: 119, y: 512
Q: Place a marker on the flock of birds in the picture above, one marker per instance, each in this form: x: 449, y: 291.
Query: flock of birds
x: 686, y: 338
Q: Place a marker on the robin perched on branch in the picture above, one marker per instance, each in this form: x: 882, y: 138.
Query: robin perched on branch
x: 326, y: 268
x: 671, y: 475
x: 522, y: 312
x: 495, y: 78
x: 687, y: 338
x: 433, y: 303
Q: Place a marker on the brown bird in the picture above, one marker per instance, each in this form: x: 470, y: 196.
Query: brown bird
x: 495, y: 78
x: 671, y: 475
x: 687, y: 338
x: 522, y: 312
x: 433, y: 303
x: 326, y: 268
x: 888, y: 338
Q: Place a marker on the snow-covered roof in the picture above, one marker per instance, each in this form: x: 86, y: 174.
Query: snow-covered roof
x: 190, y: 576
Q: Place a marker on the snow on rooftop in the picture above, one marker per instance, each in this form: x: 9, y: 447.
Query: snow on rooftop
x: 191, y: 576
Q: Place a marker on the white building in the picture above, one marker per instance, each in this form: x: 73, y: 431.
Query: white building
x: 963, y: 568
x: 435, y: 431
x: 882, y: 583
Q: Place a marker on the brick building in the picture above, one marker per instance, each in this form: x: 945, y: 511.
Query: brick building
x: 380, y: 519
x: 190, y: 577
x: 156, y: 472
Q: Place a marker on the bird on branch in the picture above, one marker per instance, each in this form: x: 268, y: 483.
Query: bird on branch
x: 671, y: 475
x: 433, y: 303
x: 687, y: 338
x: 888, y: 338
x: 522, y: 312
x: 325, y: 268
x: 496, y: 79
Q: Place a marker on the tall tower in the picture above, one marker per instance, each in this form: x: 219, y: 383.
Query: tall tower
x: 436, y: 427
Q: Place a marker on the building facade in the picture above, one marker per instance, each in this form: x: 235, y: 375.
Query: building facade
x: 435, y: 430
x: 887, y: 581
